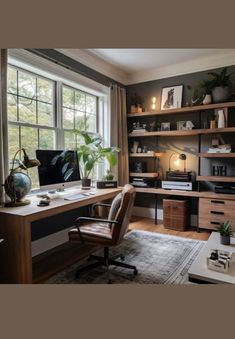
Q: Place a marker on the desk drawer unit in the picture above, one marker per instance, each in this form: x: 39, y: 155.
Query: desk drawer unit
x: 214, y: 211
x: 175, y: 215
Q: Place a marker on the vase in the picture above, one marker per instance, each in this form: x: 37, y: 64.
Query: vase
x: 220, y: 94
x: 207, y: 99
x: 221, y: 119
x: 225, y: 239
x: 86, y: 183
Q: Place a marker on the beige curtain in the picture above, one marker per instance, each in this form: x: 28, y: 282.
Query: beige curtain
x: 3, y: 122
x: 119, y: 132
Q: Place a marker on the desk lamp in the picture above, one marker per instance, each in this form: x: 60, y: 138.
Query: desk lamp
x: 181, y: 156
x: 17, y: 183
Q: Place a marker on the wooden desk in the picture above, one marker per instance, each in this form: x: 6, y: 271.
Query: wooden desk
x: 15, y: 227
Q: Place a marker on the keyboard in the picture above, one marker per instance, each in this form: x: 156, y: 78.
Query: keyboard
x: 78, y: 196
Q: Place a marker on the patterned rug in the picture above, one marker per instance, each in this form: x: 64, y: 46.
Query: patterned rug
x: 159, y: 258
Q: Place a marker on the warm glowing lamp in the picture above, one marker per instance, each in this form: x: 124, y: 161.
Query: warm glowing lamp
x: 153, y: 106
x: 181, y: 156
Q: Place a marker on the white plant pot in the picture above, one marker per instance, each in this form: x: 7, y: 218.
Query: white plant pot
x: 207, y: 99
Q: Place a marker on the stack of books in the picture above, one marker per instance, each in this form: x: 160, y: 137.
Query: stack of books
x: 219, y: 260
x: 138, y: 130
x: 220, y: 149
x: 143, y: 182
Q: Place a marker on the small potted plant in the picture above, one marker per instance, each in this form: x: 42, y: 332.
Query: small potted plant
x: 225, y: 229
x: 220, y: 84
x: 136, y: 103
x: 206, y: 86
x: 108, y: 176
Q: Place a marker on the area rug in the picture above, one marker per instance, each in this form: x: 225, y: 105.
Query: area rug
x: 159, y: 258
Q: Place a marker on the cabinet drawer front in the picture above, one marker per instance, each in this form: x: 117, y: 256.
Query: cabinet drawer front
x: 217, y: 207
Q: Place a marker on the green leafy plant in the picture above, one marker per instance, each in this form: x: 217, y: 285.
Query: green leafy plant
x: 90, y: 152
x: 225, y: 228
x: 136, y: 100
x: 220, y: 79
x: 206, y: 86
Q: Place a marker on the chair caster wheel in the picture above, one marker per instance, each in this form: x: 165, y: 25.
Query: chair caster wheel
x: 122, y: 257
x: 135, y: 272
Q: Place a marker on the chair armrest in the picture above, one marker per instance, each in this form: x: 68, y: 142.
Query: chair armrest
x: 99, y: 204
x: 81, y: 219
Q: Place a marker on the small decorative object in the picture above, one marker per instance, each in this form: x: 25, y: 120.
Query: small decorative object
x: 109, y: 175
x: 136, y: 103
x: 145, y: 149
x: 196, y: 97
x: 220, y: 84
x: 138, y: 127
x: 207, y: 99
x: 139, y: 150
x: 18, y: 184
x: 189, y: 125
x: 153, y: 105
x: 219, y: 260
x: 165, y: 126
x: 219, y: 171
x: 140, y: 167
x: 171, y: 97
x: 225, y: 229
x: 181, y: 125
x: 221, y: 119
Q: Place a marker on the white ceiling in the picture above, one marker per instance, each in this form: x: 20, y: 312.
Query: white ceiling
x: 138, y: 65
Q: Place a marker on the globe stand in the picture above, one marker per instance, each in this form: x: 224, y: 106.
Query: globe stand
x: 17, y: 203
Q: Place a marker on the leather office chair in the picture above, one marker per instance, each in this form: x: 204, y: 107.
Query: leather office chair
x: 107, y: 232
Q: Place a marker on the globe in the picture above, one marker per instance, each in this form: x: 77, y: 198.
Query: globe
x: 17, y: 185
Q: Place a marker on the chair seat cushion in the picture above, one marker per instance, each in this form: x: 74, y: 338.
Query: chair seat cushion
x: 101, y: 230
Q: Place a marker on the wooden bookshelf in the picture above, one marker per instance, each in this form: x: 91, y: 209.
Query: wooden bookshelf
x: 176, y: 133
x: 182, y: 110
x: 144, y: 175
x: 216, y: 155
x: 215, y: 178
x: 146, y: 155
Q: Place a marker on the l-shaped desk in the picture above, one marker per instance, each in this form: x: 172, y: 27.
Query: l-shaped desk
x: 16, y: 263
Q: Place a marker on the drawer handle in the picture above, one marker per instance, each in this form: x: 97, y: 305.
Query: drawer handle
x: 217, y: 201
x: 215, y: 223
x: 216, y: 212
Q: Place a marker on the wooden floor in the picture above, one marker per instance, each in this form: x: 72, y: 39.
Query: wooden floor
x: 147, y: 224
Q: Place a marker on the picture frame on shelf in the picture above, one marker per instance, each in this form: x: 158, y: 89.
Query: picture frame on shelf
x: 171, y: 97
x: 165, y: 126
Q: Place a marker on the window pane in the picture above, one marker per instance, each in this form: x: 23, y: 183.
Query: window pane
x: 68, y: 97
x: 69, y: 140
x: 68, y: 118
x: 90, y: 104
x: 91, y: 123
x: 29, y: 140
x: 13, y: 140
x: 80, y: 121
x: 27, y: 110
x: 12, y: 107
x: 45, y: 90
x: 45, y: 114
x: 80, y: 101
x: 12, y: 80
x: 27, y: 85
x: 46, y: 139
x: 33, y: 174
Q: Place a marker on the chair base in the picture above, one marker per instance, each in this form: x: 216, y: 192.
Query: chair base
x: 105, y: 261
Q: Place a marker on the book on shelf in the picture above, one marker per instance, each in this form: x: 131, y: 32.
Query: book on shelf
x: 226, y: 148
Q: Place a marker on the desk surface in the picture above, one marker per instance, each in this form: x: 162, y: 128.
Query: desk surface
x: 199, y: 270
x: 58, y: 205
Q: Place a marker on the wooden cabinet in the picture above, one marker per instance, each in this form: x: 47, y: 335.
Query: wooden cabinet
x: 214, y: 211
x: 175, y: 214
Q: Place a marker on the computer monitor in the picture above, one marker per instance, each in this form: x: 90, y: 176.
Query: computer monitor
x: 58, y: 169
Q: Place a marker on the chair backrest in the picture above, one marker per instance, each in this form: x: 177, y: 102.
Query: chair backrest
x: 123, y: 214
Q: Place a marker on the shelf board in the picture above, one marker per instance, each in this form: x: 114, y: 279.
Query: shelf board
x: 144, y: 175
x: 202, y: 194
x: 215, y: 178
x: 146, y: 155
x: 216, y: 155
x: 182, y: 110
x: 176, y: 133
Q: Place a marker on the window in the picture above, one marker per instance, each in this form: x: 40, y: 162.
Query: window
x: 31, y: 114
x: 43, y: 112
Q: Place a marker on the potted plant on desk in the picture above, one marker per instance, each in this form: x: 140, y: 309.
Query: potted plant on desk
x: 91, y: 152
x: 225, y: 229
